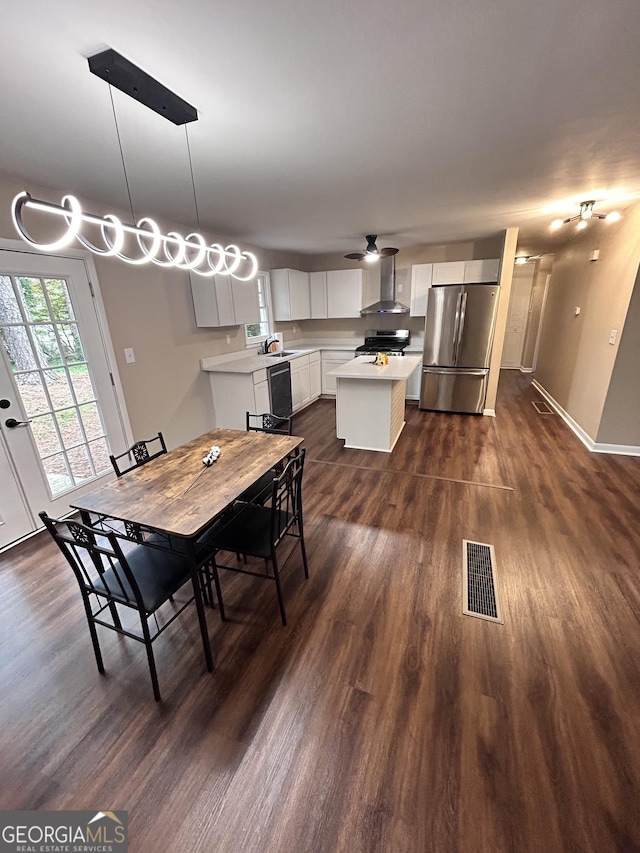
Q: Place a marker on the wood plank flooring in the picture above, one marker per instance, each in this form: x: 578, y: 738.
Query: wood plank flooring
x: 380, y: 719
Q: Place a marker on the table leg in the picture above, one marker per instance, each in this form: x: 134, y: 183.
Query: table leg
x: 202, y: 619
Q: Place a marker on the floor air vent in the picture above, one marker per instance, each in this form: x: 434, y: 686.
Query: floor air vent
x: 479, y: 592
x: 542, y: 408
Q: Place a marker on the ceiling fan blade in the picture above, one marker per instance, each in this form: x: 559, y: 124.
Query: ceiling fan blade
x: 355, y: 256
x: 385, y: 253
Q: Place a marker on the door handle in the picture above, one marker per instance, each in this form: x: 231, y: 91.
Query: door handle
x: 12, y: 423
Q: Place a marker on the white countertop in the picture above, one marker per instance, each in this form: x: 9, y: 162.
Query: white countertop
x: 250, y: 362
x: 362, y: 368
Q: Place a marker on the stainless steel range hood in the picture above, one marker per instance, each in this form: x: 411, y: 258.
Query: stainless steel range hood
x: 387, y: 303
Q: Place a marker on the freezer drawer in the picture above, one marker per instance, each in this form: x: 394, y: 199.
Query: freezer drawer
x: 450, y: 390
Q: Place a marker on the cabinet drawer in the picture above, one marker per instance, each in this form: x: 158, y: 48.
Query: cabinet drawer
x: 259, y: 376
x: 314, y: 356
x: 297, y: 363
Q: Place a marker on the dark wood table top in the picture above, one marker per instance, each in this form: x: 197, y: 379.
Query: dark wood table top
x: 176, y: 494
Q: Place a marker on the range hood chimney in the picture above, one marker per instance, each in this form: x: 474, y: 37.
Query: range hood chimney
x: 387, y: 303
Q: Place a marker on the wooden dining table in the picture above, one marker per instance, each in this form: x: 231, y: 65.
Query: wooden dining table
x: 178, y: 496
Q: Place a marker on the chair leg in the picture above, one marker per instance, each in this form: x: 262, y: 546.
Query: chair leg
x: 94, y: 634
x: 114, y: 614
x: 152, y: 663
x: 216, y: 580
x: 302, y: 548
x: 276, y: 577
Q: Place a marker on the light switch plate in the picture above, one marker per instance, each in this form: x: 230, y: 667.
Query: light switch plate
x: 612, y: 336
x: 129, y: 355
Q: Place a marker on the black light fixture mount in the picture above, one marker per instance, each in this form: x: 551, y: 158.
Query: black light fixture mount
x: 133, y: 81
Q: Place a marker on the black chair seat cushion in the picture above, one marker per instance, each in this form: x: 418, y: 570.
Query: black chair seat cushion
x: 260, y: 490
x: 248, y: 531
x: 158, y: 573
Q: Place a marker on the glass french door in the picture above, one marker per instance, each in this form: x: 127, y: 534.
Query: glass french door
x: 59, y: 414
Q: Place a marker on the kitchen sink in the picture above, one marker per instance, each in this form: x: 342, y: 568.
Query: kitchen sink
x: 280, y: 354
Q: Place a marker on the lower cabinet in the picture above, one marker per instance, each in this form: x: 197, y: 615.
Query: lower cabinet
x: 235, y: 394
x: 413, y: 384
x: 305, y: 380
x: 330, y: 360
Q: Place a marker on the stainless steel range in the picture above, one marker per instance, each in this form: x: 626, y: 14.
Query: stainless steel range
x: 390, y: 341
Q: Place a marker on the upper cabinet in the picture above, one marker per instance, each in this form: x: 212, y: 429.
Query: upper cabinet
x: 220, y: 300
x: 290, y: 295
x: 421, y: 279
x: 449, y: 273
x: 344, y: 293
x: 477, y: 271
x: 318, y: 292
x: 424, y: 276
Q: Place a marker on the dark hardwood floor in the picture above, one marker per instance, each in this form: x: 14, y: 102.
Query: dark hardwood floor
x: 381, y: 719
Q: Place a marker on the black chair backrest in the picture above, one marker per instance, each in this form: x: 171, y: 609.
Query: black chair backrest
x: 286, y: 499
x: 91, y: 553
x: 139, y: 454
x: 268, y: 422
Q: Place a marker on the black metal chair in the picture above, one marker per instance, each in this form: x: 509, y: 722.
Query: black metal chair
x: 254, y: 530
x: 143, y: 580
x: 139, y: 454
x: 260, y: 491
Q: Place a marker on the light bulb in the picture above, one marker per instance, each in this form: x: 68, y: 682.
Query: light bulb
x: 582, y: 224
x: 557, y: 223
x: 614, y: 216
x: 371, y: 257
x: 586, y: 213
x: 521, y: 259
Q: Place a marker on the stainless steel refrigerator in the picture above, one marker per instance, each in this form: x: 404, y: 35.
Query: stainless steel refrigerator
x: 457, y: 346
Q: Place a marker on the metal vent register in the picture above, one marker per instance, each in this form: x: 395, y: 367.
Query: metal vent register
x: 479, y: 592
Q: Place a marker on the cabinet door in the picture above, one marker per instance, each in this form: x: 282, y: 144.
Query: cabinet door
x: 299, y: 295
x: 421, y: 275
x: 449, y: 273
x: 296, y: 393
x: 222, y: 285
x: 262, y: 401
x: 280, y: 294
x: 344, y: 293
x: 475, y: 271
x: 318, y: 295
x: 305, y: 385
x: 315, y: 379
x: 205, y: 303
x: 245, y: 302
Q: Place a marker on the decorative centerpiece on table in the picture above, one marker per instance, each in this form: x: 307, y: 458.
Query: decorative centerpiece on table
x: 382, y: 359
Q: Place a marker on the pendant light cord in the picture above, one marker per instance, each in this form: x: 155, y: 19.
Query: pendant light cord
x: 124, y: 168
x: 193, y: 183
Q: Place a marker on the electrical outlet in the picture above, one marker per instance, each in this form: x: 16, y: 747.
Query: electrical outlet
x: 228, y: 339
x: 612, y: 336
x: 129, y: 355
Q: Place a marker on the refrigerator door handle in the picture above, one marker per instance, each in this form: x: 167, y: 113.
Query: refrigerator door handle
x: 457, y: 371
x: 456, y: 329
x: 462, y: 307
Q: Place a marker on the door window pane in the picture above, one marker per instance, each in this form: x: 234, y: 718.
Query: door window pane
x: 41, y: 336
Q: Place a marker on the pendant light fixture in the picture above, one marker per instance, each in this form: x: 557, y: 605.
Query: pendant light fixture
x: 143, y: 242
x: 584, y: 216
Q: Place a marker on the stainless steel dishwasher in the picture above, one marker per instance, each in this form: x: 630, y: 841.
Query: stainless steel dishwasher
x: 279, y: 377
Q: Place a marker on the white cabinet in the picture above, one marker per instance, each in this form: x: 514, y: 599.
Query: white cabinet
x: 318, y: 295
x: 330, y: 360
x: 451, y: 272
x: 477, y: 271
x: 300, y: 382
x: 290, y: 295
x: 220, y: 300
x: 344, y: 293
x: 421, y: 277
x: 245, y: 301
x: 412, y: 391
x: 234, y: 394
x: 315, y: 375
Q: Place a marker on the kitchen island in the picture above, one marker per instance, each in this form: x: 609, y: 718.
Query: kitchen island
x: 370, y: 401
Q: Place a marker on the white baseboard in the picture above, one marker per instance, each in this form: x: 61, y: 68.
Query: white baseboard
x: 491, y: 413
x: 574, y: 426
x: 526, y: 370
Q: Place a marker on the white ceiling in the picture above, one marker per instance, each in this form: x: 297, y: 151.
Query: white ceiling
x: 424, y: 121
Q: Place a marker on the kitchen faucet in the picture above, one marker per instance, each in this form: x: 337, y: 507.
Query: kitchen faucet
x: 270, y: 340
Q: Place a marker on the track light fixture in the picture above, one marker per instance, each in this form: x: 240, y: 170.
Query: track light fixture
x: 582, y: 218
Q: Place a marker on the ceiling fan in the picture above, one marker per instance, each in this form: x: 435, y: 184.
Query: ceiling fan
x: 371, y: 253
